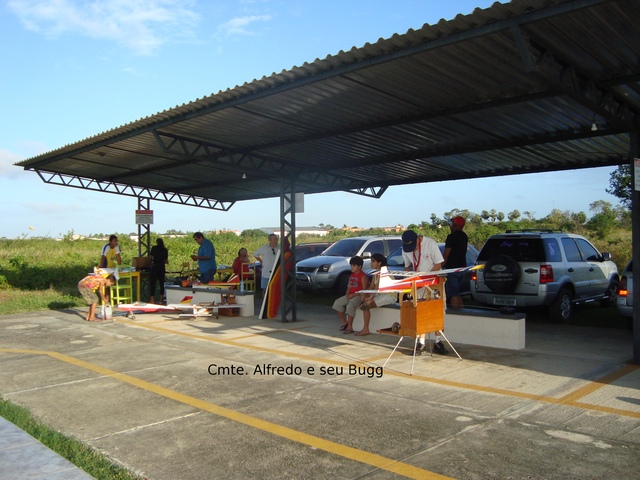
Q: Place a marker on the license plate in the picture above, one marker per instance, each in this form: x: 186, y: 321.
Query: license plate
x: 505, y: 302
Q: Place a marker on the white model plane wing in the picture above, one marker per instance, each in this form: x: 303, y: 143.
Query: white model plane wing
x: 389, y: 284
x: 144, y: 307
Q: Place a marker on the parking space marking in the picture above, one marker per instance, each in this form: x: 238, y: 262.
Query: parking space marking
x: 569, y: 399
x: 312, y: 441
x: 599, y: 383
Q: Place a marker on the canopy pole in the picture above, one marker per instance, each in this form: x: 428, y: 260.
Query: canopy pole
x: 144, y: 231
x: 635, y: 245
x: 287, y: 249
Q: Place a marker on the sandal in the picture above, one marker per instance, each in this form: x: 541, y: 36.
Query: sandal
x: 348, y: 331
x: 344, y: 327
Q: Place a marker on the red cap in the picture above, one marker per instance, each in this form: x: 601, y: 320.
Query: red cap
x: 458, y: 221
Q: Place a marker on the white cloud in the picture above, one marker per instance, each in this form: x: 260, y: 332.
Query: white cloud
x: 7, y: 167
x: 141, y: 26
x: 239, y: 25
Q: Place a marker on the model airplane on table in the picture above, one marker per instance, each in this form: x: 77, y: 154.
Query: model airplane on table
x: 196, y: 309
x: 132, y: 308
x: 410, y: 280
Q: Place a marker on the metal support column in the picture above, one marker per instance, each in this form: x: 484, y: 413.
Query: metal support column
x: 635, y: 246
x: 144, y: 231
x: 288, y: 242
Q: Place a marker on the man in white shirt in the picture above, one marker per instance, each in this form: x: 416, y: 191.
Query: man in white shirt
x: 422, y: 254
x: 266, y: 255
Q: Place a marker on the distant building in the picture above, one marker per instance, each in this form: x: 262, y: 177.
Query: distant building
x: 308, y: 230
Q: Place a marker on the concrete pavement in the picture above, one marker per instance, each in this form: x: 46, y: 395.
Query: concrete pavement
x: 238, y: 397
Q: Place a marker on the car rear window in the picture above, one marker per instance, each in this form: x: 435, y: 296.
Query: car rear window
x: 520, y: 249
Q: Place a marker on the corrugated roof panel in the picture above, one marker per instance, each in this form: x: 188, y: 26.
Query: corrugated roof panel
x: 453, y: 100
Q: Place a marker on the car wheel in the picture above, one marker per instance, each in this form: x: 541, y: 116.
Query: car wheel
x: 561, y: 308
x: 611, y: 294
x: 501, y: 274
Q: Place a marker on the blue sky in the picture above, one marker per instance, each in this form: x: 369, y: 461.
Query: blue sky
x: 71, y: 69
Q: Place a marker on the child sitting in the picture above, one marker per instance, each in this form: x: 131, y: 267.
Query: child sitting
x: 351, y: 300
x: 373, y: 300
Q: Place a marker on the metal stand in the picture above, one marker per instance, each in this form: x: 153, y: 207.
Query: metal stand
x: 415, y: 344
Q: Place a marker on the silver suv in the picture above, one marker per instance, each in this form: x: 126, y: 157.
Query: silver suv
x: 330, y: 270
x: 533, y: 268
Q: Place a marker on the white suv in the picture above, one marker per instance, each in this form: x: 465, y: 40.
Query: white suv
x: 533, y: 268
x: 330, y: 270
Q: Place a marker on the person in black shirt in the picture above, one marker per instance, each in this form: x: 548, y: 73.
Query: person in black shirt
x: 159, y: 259
x: 455, y: 256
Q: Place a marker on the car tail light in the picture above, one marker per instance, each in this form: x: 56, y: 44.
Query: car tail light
x: 622, y: 290
x: 474, y: 276
x: 546, y: 273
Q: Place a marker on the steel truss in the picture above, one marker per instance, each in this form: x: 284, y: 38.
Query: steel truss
x: 288, y: 237
x: 132, y: 191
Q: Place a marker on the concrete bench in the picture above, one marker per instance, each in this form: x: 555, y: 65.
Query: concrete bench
x: 466, y: 326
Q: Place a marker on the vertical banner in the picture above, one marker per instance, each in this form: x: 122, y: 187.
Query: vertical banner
x: 271, y: 294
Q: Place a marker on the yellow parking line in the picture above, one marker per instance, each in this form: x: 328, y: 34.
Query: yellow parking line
x: 569, y: 399
x: 350, y: 453
x: 599, y: 383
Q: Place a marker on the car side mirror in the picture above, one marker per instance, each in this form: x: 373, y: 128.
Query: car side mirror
x: 366, y: 255
x: 606, y: 257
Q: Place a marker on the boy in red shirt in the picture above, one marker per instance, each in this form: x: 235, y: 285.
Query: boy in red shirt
x: 358, y: 280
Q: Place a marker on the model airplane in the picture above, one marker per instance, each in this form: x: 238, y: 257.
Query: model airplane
x: 410, y: 280
x: 197, y: 309
x: 130, y: 308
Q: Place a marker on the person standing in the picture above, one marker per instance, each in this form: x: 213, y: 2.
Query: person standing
x: 455, y: 256
x: 421, y: 254
x: 266, y: 255
x: 111, y: 254
x: 88, y: 287
x: 159, y: 259
x: 206, y: 258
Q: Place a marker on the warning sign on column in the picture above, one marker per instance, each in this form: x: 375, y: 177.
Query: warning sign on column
x: 144, y: 217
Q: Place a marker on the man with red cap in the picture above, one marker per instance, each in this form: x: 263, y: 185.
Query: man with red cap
x: 455, y: 256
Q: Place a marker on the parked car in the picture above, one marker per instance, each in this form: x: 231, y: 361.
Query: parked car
x: 625, y: 292
x: 396, y: 263
x: 330, y: 270
x: 308, y: 250
x: 548, y: 268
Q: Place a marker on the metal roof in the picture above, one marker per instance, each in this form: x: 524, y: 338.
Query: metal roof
x: 514, y: 88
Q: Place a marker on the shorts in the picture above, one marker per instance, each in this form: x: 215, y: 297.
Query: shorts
x: 453, y: 283
x: 88, y: 294
x: 342, y: 304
